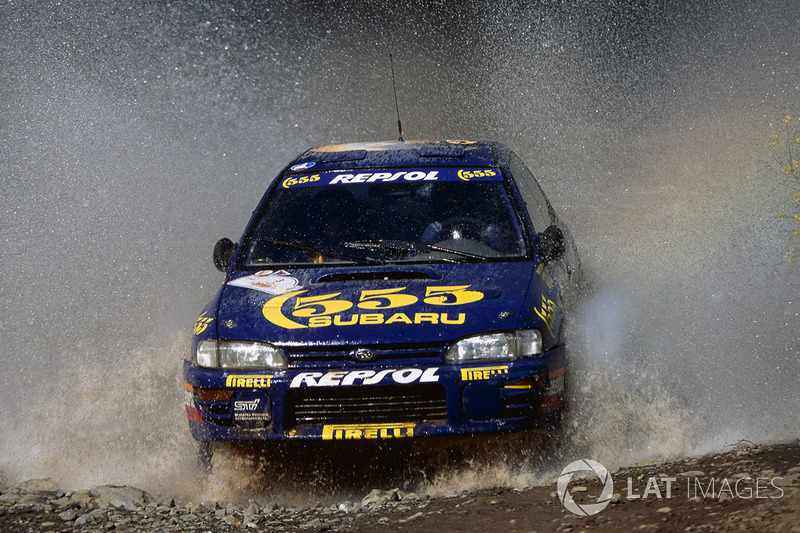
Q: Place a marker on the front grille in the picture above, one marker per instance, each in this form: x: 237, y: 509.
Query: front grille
x: 366, y: 405
x: 343, y: 355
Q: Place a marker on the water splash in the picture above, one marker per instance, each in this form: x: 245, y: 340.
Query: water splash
x: 135, y: 136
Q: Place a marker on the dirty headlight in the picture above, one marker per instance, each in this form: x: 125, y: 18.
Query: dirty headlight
x: 239, y: 354
x: 496, y: 346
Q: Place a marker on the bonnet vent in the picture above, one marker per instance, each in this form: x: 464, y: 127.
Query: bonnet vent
x: 372, y: 276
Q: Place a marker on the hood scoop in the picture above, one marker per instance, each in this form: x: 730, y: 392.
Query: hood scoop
x: 374, y: 276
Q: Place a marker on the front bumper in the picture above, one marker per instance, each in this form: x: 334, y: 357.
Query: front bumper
x: 375, y: 402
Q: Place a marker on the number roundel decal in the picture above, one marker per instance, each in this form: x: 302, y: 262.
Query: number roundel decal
x: 333, y: 310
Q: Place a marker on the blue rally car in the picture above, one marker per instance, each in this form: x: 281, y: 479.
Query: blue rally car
x: 387, y: 290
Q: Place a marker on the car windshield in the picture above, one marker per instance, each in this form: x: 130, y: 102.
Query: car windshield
x: 370, y: 217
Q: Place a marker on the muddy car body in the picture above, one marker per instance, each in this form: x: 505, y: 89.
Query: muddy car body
x: 387, y: 290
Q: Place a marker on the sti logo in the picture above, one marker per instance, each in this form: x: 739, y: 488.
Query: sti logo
x: 247, y: 406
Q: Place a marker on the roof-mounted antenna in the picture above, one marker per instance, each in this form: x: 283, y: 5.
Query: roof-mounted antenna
x: 396, y: 105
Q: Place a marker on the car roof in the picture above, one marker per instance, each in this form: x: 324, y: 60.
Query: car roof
x: 383, y: 154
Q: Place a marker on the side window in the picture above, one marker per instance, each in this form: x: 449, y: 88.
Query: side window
x: 538, y: 206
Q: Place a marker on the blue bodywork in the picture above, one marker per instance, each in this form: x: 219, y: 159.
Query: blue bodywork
x: 365, y: 342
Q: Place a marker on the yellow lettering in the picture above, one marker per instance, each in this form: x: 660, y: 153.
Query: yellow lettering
x: 452, y: 295
x: 272, y: 311
x: 319, y: 321
x: 433, y: 318
x: 248, y: 382
x: 337, y: 321
x: 547, y: 313
x: 201, y: 324
x: 367, y: 431
x: 371, y: 318
x: 459, y: 320
x: 385, y: 298
x: 323, y: 304
x: 399, y: 317
x: 482, y: 373
x: 325, y: 310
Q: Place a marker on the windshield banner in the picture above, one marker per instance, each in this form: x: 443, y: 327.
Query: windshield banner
x: 391, y: 176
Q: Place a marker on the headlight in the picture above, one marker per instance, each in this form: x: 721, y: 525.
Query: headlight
x: 207, y: 354
x: 239, y: 354
x: 496, y: 346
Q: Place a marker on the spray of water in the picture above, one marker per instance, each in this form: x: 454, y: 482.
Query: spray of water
x: 136, y: 136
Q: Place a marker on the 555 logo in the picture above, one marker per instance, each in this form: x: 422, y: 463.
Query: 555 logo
x: 293, y: 311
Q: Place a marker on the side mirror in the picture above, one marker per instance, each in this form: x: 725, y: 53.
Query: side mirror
x: 551, y: 244
x: 223, y: 254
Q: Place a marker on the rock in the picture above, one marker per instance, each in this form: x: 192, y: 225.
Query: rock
x: 128, y: 498
x: 346, y: 507
x: 271, y: 506
x: 25, y: 508
x: 616, y: 497
x: 33, y: 497
x: 83, y: 519
x: 378, y: 496
x: 36, y: 485
x: 412, y: 517
x: 63, y: 502
x: 252, y: 508
x: 315, y: 523
x: 68, y: 516
x: 692, y: 473
x: 232, y: 520
x: 664, y: 510
x: 81, y: 496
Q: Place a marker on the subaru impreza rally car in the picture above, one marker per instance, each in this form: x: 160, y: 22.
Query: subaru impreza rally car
x: 387, y: 290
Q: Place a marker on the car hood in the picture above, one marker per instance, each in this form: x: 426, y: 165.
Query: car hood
x: 373, y: 305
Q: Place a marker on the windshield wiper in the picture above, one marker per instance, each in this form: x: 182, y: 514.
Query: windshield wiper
x: 305, y: 247
x: 411, y: 247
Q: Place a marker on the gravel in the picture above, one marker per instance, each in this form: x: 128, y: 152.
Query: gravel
x: 37, y: 505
